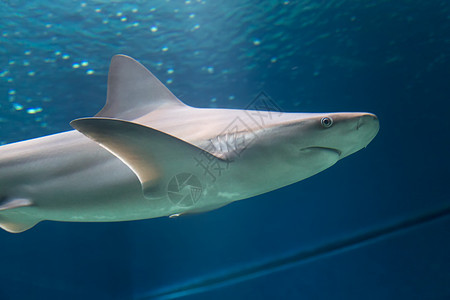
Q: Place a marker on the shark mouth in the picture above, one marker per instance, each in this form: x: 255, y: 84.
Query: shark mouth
x: 338, y: 152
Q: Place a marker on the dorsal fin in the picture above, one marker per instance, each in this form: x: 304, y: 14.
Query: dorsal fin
x: 133, y: 91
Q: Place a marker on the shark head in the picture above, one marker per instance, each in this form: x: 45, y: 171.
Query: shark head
x: 339, y: 134
x: 301, y: 145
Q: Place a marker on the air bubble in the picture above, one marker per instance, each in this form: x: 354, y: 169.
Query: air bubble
x: 35, y: 110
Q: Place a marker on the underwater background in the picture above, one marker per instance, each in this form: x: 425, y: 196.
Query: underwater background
x: 374, y: 226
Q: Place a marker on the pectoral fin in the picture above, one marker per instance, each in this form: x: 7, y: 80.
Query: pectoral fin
x: 12, y: 220
x: 150, y: 153
x: 17, y: 225
x: 14, y: 203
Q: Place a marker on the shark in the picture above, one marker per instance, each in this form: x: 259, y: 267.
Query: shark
x: 147, y: 154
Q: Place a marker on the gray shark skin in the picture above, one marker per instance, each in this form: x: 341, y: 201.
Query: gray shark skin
x: 146, y: 155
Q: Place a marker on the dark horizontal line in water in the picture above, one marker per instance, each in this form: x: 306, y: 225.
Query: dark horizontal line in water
x: 260, y: 269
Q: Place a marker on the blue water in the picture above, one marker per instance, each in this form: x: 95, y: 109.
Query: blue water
x: 374, y: 226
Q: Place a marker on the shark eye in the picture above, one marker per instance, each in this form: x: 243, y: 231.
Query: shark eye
x: 326, y: 122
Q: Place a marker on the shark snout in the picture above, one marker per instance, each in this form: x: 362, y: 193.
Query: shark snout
x: 367, y: 120
x: 358, y: 130
x: 368, y: 125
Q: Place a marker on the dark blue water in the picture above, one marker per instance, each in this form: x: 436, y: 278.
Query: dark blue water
x: 375, y: 226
